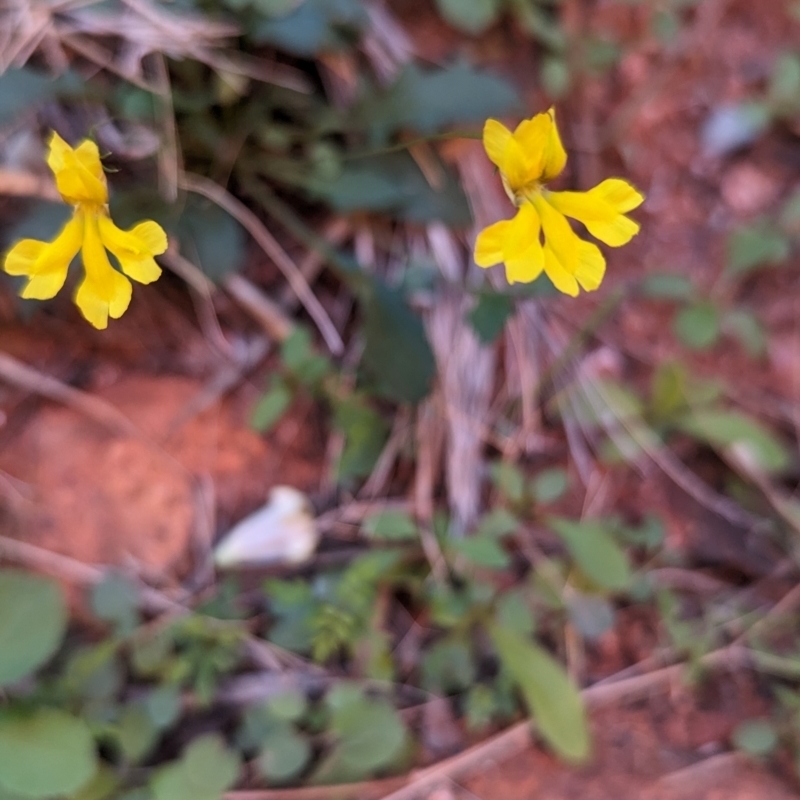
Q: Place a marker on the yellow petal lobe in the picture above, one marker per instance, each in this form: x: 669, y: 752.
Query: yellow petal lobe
x: 78, y: 173
x: 489, y: 244
x: 104, y: 292
x: 495, y: 138
x: 134, y: 249
x: 555, y: 156
x: 522, y: 250
x: 45, y: 264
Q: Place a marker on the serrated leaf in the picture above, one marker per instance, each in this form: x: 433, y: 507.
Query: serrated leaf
x: 552, y: 699
x: 469, y: 16
x: 722, y: 428
x: 44, y: 753
x: 596, y: 553
x: 33, y: 619
x: 390, y: 525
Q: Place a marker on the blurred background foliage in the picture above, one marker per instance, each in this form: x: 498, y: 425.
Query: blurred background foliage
x: 266, y: 121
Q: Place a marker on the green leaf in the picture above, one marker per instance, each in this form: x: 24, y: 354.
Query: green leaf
x: 783, y: 94
x: 595, y: 552
x: 370, y: 734
x: 549, y: 485
x: 211, y: 238
x: 136, y: 733
x: 44, y: 753
x: 697, y: 325
x: 552, y: 699
x: 163, y: 704
x: 746, y: 328
x: 448, y: 666
x: 482, y: 550
x: 393, y: 184
x: 272, y: 405
x: 397, y: 356
x: 365, y: 432
x: 205, y: 770
x: 469, y: 16
x: 497, y: 523
x: 756, y: 245
x: 757, y: 737
x: 283, y: 756
x: 508, y: 479
x: 513, y: 611
x: 555, y: 76
x: 490, y: 314
x: 668, y: 390
x: 667, y: 286
x: 115, y: 599
x: 302, y: 360
x: 591, y: 615
x: 288, y: 706
x: 314, y: 26
x: 427, y: 101
x: 390, y: 525
x: 722, y: 428
x: 33, y: 619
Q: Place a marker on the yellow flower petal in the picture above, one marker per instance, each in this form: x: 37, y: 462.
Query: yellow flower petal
x: 522, y: 250
x: 489, y: 244
x: 45, y: 263
x: 104, y: 292
x: 532, y: 135
x: 601, y: 210
x: 495, y: 138
x: 135, y: 248
x: 78, y: 173
x: 591, y: 266
x: 561, y: 248
x: 516, y: 166
x: 555, y: 156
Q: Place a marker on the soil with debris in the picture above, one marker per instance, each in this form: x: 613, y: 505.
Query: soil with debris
x: 153, y: 496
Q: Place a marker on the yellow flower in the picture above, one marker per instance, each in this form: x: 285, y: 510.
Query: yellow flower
x: 527, y: 159
x: 104, y: 291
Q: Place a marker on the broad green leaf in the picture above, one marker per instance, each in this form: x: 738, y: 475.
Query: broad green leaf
x: 513, y: 611
x: 390, y: 525
x: 667, y: 286
x: 365, y: 432
x: 509, y: 479
x: 283, y: 756
x: 163, y: 704
x: 448, y: 666
x: 393, y: 184
x: 272, y: 406
x: 302, y: 360
x: 205, y: 770
x: 288, y: 706
x: 314, y: 26
x: 697, y: 325
x: 721, y: 428
x: 490, y: 314
x: 33, y: 619
x: 370, y: 734
x: 136, y: 733
x: 552, y: 699
x: 211, y: 238
x: 591, y: 615
x: 746, y: 328
x: 596, y: 553
x: 668, y: 390
x: 397, y: 357
x: 483, y: 550
x: 115, y: 599
x: 757, y: 244
x: 469, y: 16
x: 757, y: 737
x: 46, y: 752
x: 497, y: 523
x: 427, y: 101
x: 549, y: 485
